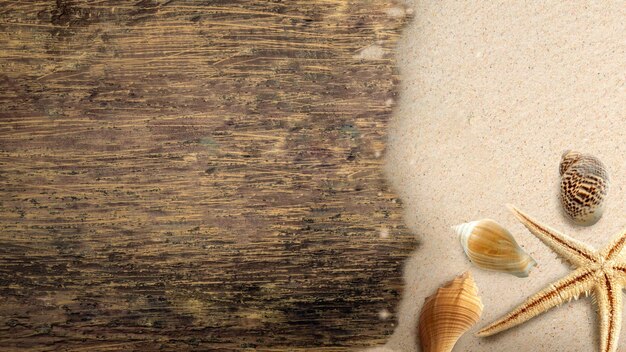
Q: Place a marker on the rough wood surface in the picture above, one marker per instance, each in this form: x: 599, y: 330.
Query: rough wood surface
x: 197, y: 175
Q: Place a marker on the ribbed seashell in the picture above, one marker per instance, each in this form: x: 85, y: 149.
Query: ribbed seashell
x: 584, y: 186
x: 490, y: 246
x: 448, y: 314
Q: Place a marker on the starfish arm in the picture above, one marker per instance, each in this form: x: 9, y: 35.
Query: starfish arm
x: 568, y: 288
x: 566, y: 247
x: 619, y: 270
x: 614, y: 248
x: 608, y: 298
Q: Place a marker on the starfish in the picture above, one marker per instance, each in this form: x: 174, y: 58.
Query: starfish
x: 601, y: 273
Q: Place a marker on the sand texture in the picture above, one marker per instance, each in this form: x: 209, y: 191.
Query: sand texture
x: 492, y: 94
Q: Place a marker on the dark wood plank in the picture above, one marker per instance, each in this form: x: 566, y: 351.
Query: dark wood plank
x: 196, y: 175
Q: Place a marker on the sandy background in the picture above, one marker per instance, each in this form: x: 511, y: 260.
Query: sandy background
x: 492, y: 93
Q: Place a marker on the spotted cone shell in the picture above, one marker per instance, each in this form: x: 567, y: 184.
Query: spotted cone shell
x: 490, y: 246
x: 584, y: 186
x: 449, y: 313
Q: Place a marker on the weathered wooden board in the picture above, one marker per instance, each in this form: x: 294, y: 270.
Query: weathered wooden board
x: 197, y: 175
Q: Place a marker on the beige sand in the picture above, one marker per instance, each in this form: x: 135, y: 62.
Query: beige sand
x: 492, y: 93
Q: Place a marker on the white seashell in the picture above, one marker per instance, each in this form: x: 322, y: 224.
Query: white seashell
x: 448, y: 314
x: 584, y: 186
x: 490, y: 246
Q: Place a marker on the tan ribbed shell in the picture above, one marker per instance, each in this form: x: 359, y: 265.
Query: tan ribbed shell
x: 449, y: 313
x: 492, y: 247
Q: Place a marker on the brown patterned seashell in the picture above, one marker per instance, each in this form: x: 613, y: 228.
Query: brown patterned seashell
x: 584, y: 186
x: 449, y: 313
x: 490, y: 246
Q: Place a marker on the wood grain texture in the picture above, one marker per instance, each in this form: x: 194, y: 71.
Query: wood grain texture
x: 197, y: 175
